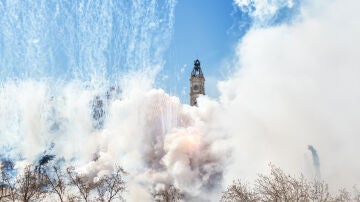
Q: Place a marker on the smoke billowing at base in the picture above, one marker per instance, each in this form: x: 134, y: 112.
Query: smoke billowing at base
x: 295, y: 85
x: 157, y: 140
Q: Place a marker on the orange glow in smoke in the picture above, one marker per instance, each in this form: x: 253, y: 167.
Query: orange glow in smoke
x: 193, y: 142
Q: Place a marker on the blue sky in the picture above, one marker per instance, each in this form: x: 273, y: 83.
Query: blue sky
x: 210, y: 30
x: 65, y: 40
x: 205, y: 30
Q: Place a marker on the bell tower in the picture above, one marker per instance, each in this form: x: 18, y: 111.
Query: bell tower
x: 197, y: 83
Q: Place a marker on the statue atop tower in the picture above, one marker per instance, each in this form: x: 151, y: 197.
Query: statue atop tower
x: 197, y: 83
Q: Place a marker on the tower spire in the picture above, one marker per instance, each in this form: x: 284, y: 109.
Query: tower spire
x: 197, y: 69
x: 197, y: 83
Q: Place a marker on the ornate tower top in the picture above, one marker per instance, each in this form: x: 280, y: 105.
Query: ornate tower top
x: 197, y: 69
x: 197, y: 83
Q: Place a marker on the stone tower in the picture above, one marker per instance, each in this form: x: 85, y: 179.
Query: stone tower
x: 197, y: 83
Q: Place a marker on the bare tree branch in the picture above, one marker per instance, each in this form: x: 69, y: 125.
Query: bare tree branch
x: 279, y: 186
x: 27, y: 185
x: 56, y: 182
x: 239, y: 192
x: 110, y: 187
x: 169, y: 194
x: 83, y: 184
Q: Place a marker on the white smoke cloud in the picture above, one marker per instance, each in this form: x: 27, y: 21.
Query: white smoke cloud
x: 157, y: 140
x: 297, y: 85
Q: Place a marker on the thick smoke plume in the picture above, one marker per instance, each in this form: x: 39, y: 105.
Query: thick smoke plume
x: 157, y: 140
x: 294, y: 85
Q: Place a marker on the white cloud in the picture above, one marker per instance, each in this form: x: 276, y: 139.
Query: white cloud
x: 263, y: 10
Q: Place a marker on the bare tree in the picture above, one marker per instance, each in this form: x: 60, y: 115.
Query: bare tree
x: 356, y: 194
x: 56, y: 181
x: 239, y: 192
x: 82, y: 183
x: 7, y: 181
x: 7, y: 191
x: 169, y: 194
x: 343, y: 196
x: 111, y: 186
x: 279, y: 186
x: 27, y: 185
x: 4, y: 192
x: 320, y: 192
x: 41, y: 182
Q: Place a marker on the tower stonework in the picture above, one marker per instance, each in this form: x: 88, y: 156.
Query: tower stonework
x: 197, y: 83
